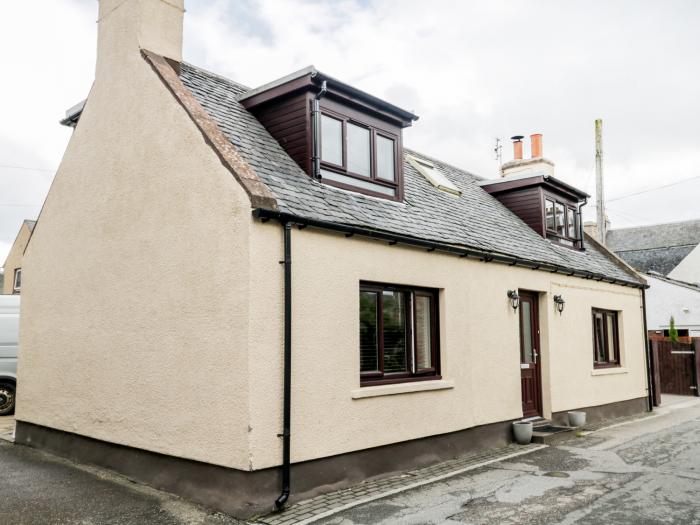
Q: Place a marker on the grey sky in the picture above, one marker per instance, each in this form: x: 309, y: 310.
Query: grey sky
x: 472, y: 71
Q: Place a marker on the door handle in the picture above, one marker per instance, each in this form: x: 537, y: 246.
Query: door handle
x: 534, y: 355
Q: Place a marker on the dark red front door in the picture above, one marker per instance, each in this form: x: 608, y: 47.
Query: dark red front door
x: 530, y: 355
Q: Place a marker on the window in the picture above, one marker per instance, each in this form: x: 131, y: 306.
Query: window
x: 398, y: 334
x: 358, y: 156
x: 561, y: 223
x: 17, y: 283
x: 433, y: 175
x: 606, y: 346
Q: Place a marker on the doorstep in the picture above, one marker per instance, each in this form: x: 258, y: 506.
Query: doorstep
x: 331, y: 503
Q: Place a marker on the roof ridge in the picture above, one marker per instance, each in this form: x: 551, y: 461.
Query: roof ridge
x: 672, y: 223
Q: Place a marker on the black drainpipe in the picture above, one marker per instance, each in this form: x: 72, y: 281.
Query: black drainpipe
x: 286, y: 435
x: 316, y: 122
x: 650, y: 375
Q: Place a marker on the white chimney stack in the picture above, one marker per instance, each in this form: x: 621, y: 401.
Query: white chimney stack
x: 125, y: 27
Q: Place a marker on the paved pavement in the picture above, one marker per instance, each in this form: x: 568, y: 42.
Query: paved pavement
x: 643, y: 471
x: 7, y: 428
x: 640, y: 472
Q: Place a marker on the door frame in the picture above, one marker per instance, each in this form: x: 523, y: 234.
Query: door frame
x: 533, y: 298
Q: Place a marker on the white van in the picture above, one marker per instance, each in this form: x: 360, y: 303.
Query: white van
x: 9, y: 331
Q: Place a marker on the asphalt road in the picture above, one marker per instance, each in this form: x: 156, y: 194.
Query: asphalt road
x: 640, y: 473
x: 37, y: 488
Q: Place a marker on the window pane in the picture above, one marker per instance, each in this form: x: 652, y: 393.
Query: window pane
x: 573, y: 233
x: 369, y: 350
x: 358, y: 150
x: 394, y: 316
x: 331, y: 140
x: 424, y: 358
x: 560, y: 219
x: 386, y: 168
x: 599, y: 338
x: 549, y: 212
x: 526, y: 320
x: 611, y: 337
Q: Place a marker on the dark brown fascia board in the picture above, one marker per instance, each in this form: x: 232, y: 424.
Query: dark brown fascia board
x: 259, y: 194
x: 310, y: 78
x: 550, y: 183
x: 433, y: 246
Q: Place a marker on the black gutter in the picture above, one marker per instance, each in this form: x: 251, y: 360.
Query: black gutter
x: 287, y: 403
x: 650, y: 374
x: 392, y: 238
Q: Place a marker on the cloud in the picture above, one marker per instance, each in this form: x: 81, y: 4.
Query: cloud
x: 472, y: 71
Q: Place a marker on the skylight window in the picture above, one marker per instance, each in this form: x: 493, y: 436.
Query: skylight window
x: 434, y: 176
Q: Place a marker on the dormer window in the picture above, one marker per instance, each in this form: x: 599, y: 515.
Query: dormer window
x: 358, y: 156
x: 561, y: 221
x: 338, y: 134
x: 529, y: 189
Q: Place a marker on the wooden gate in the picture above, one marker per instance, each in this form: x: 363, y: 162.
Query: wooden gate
x: 676, y: 366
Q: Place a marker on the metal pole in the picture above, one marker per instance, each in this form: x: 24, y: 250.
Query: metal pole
x: 599, y: 196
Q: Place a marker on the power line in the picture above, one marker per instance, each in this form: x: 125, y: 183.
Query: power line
x: 25, y: 168
x: 652, y: 189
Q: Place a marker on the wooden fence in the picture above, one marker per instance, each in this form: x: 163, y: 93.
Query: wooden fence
x: 676, y: 368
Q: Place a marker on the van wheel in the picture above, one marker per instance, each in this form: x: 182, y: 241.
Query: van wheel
x: 7, y: 399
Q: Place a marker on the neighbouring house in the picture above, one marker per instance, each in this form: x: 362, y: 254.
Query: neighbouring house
x: 671, y: 249
x: 12, y: 283
x: 271, y: 285
x: 668, y: 298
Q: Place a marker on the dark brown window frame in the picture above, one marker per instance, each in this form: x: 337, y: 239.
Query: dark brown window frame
x: 432, y: 373
x: 375, y: 127
x: 567, y: 240
x: 613, y: 360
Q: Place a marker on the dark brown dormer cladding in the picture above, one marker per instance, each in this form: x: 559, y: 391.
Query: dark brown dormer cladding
x: 545, y: 204
x: 365, y: 132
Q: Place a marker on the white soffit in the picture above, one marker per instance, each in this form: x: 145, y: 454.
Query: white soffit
x: 433, y: 175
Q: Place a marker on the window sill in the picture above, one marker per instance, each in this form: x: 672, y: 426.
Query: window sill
x: 611, y: 370
x: 402, y: 388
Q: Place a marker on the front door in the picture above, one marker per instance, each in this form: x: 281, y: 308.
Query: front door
x: 530, y: 355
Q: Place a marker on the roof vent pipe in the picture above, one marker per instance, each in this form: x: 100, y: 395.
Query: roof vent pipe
x: 517, y: 147
x: 536, y: 145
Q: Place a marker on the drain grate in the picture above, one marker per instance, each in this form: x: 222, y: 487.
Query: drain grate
x: 551, y: 429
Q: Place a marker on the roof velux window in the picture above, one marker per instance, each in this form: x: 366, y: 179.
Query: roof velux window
x: 358, y: 156
x: 434, y: 176
x: 561, y: 222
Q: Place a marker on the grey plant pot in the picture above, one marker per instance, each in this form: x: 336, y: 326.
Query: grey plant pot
x: 577, y: 419
x: 522, y: 430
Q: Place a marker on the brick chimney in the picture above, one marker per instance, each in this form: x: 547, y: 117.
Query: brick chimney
x: 125, y: 27
x: 535, y: 165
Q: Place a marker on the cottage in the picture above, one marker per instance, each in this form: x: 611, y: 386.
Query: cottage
x: 12, y: 268
x: 271, y: 285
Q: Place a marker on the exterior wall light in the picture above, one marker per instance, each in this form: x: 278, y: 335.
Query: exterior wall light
x: 514, y: 299
x: 559, y: 302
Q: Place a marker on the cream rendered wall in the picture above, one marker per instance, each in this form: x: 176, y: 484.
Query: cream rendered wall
x: 479, y: 344
x: 134, y: 322
x: 14, y: 258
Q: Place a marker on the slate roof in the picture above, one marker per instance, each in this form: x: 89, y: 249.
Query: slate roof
x: 473, y: 220
x: 659, y: 248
